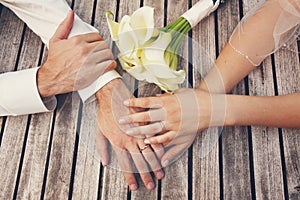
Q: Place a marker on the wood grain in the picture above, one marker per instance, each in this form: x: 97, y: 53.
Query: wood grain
x: 10, y: 43
x: 206, y: 178
x: 62, y: 148
x: 90, y: 183
x: 266, y: 147
x: 87, y: 169
x: 235, y: 148
x: 287, y: 74
x: 32, y: 174
x: 15, y: 127
x: 175, y: 183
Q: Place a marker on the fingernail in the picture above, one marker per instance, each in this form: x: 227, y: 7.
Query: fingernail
x: 160, y: 175
x: 150, y: 186
x: 165, y: 163
x: 146, y: 141
x: 130, y: 132
x: 133, y: 187
x: 122, y: 121
x: 126, y: 102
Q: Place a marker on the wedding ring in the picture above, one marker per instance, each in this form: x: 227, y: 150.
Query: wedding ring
x: 143, y: 148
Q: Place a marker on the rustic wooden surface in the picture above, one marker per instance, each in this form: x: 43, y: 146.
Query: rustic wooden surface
x: 45, y: 156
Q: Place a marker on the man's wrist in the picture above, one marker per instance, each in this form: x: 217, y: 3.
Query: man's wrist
x: 43, y: 84
x: 107, y: 89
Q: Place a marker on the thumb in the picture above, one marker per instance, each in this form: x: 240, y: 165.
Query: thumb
x: 64, y: 27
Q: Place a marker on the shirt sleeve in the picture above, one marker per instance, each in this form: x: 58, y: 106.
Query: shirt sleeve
x: 43, y: 18
x: 19, y: 94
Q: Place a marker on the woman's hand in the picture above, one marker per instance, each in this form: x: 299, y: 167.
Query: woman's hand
x: 188, y: 111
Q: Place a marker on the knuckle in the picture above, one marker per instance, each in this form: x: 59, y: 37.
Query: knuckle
x: 97, y: 35
x: 108, y: 53
x: 82, y: 50
x: 103, y: 44
x: 145, y: 117
x: 158, y: 140
x: 145, y: 102
x: 156, y: 128
x: 76, y: 40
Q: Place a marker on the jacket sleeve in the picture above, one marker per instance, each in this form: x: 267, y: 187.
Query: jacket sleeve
x: 43, y: 18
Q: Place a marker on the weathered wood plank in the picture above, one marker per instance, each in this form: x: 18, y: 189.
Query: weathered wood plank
x: 265, y: 140
x: 146, y: 89
x: 11, y: 150
x: 175, y: 183
x: 10, y: 43
x: 32, y: 174
x: 206, y: 179
x: 15, y: 128
x: 114, y: 185
x: 287, y: 74
x: 235, y: 148
x: 86, y: 180
x: 62, y: 147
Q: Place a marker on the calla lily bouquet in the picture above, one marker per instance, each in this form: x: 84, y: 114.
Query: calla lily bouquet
x: 149, y: 53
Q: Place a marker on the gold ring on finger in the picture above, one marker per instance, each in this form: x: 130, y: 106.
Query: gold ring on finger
x: 145, y: 147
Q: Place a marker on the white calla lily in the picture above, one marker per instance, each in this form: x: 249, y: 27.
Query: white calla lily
x: 151, y: 54
x: 155, y: 51
x: 142, y: 22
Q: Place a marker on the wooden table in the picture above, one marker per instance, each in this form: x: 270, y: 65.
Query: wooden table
x: 42, y: 156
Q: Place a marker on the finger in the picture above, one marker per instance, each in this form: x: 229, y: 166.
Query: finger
x: 153, y: 115
x: 64, y: 27
x: 147, y: 102
x: 102, y: 148
x: 165, y: 138
x: 153, y: 162
x: 111, y: 66
x: 142, y: 168
x: 102, y: 55
x: 149, y: 130
x: 162, y: 95
x: 98, y: 46
x: 158, y: 150
x: 126, y: 167
x: 172, y: 154
x: 89, y: 37
x: 105, y: 66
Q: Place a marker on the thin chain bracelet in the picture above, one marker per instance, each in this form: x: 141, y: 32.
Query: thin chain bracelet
x: 244, y: 55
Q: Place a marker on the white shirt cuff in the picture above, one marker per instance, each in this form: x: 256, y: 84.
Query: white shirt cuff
x: 89, y: 91
x: 20, y: 95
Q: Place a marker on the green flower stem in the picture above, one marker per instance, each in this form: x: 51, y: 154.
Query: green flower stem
x: 178, y: 29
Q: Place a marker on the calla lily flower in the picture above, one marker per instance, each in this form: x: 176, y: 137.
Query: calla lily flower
x: 150, y: 54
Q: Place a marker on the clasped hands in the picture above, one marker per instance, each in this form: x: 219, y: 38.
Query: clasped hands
x: 74, y: 63
x: 174, y: 119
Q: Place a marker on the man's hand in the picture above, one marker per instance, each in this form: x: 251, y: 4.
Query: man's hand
x: 73, y: 63
x: 126, y: 148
